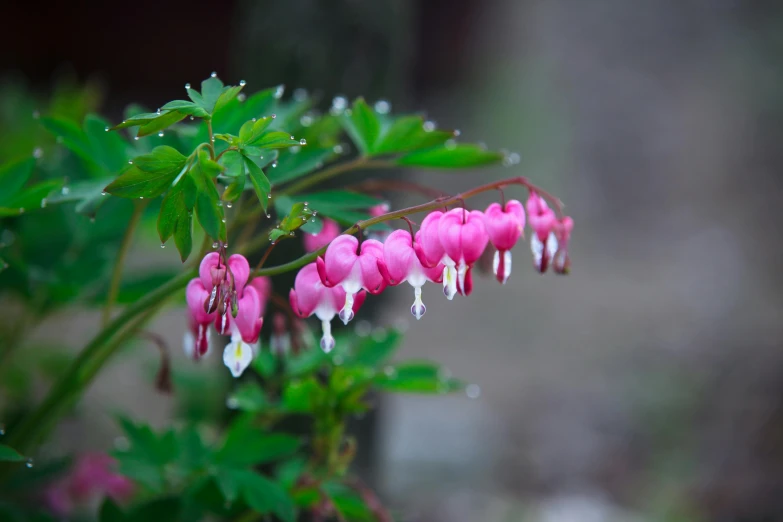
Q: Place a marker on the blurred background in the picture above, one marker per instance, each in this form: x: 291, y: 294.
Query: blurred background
x: 648, y: 385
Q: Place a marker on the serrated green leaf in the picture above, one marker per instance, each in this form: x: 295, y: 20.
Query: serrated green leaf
x: 417, y: 377
x: 135, y: 120
x: 162, y: 158
x: 108, y: 148
x: 293, y: 166
x: 228, y: 94
x: 186, y: 107
x: 297, y: 216
x: 14, y: 176
x: 209, y: 215
x: 230, y: 117
x: 274, y: 140
x: 208, y: 167
x: 260, y: 182
x: 407, y: 133
x: 178, y: 202
x: 363, y: 126
x: 183, y: 238
x: 72, y: 137
x: 457, y: 156
x: 165, y: 120
x: 233, y: 163
x: 211, y: 89
x: 235, y: 188
x: 135, y: 183
x: 265, y: 496
x: 8, y: 454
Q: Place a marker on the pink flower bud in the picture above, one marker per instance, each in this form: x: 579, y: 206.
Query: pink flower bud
x: 196, y: 341
x: 561, y: 263
x: 504, y: 227
x: 329, y: 231
x: 543, y: 242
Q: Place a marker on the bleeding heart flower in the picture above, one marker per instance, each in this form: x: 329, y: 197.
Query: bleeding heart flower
x: 400, y: 263
x: 329, y: 231
x: 238, y: 354
x: 311, y: 297
x: 504, y: 227
x: 342, y: 266
x: 562, y: 263
x: 196, y: 341
x: 543, y: 242
x: 431, y: 253
x: 227, y: 283
x: 464, y: 238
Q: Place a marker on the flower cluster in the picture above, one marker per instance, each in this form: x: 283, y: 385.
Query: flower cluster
x: 223, y: 295
x: 444, y: 250
x: 93, y: 475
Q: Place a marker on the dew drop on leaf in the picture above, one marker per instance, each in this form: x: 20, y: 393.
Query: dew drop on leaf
x: 303, y: 142
x: 29, y: 463
x: 160, y: 134
x: 279, y: 91
x: 213, y: 75
x: 429, y: 126
x: 38, y: 153
x: 65, y: 191
x: 242, y: 83
x: 382, y: 107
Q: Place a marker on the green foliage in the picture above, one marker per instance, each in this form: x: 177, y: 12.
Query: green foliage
x: 8, y: 454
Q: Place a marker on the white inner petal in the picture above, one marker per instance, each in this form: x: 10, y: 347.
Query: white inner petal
x: 418, y: 309
x: 327, y: 341
x: 237, y: 356
x: 449, y: 281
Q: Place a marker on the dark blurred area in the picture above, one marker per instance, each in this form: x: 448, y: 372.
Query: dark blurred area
x: 648, y: 385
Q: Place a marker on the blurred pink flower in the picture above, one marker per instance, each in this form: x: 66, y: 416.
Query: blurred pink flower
x: 329, y: 231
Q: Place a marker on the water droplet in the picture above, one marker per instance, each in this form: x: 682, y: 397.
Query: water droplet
x: 511, y: 159
x: 241, y: 97
x: 219, y: 203
x: 273, y: 116
x: 38, y: 153
x: 268, y: 216
x: 158, y: 111
x: 269, y: 196
x: 473, y: 391
x: 223, y: 220
x: 315, y: 212
x: 213, y: 75
x: 279, y: 91
x: 36, y: 115
x: 306, y: 120
x: 65, y: 191
x: 242, y: 83
x: 43, y: 203
x: 130, y: 162
x: 390, y: 371
x: 215, y: 244
x: 338, y: 149
x: 92, y: 219
x: 103, y: 193
x: 306, y: 203
x: 29, y: 463
x: 229, y: 205
x: 382, y: 107
x: 300, y: 94
x: 303, y: 142
x: 192, y: 118
x: 2, y: 429
x: 428, y: 126
x: 274, y: 164
x: 162, y: 245
x: 160, y: 135
x: 106, y: 128
x: 136, y: 138
x: 21, y: 210
x: 456, y: 132
x: 253, y: 120
x: 293, y: 138
x: 339, y: 103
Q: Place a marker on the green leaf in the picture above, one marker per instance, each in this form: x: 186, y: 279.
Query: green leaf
x: 297, y: 216
x: 363, y: 126
x: 69, y: 134
x: 32, y: 198
x: 265, y: 363
x: 274, y: 140
x: 14, y: 176
x: 349, y: 502
x: 162, y: 159
x: 145, y: 473
x: 135, y: 183
x: 8, y: 454
x: 211, y: 89
x: 226, y: 96
x: 260, y: 182
x: 165, y: 120
x: 182, y: 236
x: 107, y: 148
x: 208, y: 215
x: 110, y: 512
x: 235, y: 188
x: 246, y: 445
x: 233, y: 162
x: 136, y: 120
x: 265, y: 496
x: 417, y: 377
x: 186, y: 107
x: 179, y: 201
x: 230, y: 117
x: 293, y: 166
x: 457, y: 156
x: 229, y: 483
x: 408, y: 133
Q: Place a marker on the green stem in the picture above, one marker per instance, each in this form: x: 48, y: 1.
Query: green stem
x: 92, y: 357
x: 119, y: 263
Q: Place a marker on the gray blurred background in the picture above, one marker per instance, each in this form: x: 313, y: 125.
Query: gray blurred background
x: 648, y: 385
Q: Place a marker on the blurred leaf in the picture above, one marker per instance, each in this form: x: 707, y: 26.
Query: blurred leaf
x: 74, y: 139
x: 31, y: 198
x: 265, y: 496
x: 163, y: 509
x: 107, y: 148
x: 136, y: 286
x: 110, y: 512
x: 246, y: 445
x: 8, y: 454
x: 417, y: 377
x: 88, y: 194
x: 13, y: 177
x: 363, y: 126
x: 293, y: 166
x: 456, y: 156
x: 249, y: 397
x: 372, y: 351
x: 407, y: 133
x: 349, y: 502
x: 302, y: 396
x: 229, y: 483
x: 265, y: 363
